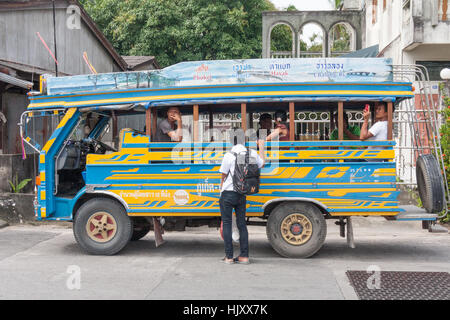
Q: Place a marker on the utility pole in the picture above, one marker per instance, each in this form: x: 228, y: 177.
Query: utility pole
x: 54, y: 37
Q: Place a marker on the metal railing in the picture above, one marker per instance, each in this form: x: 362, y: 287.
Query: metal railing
x: 281, y: 54
x: 415, y: 130
x: 305, y: 54
x: 425, y: 138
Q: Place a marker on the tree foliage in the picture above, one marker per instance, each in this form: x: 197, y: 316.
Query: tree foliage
x: 183, y: 30
x: 340, y: 38
x: 337, y: 3
x: 445, y: 137
x: 281, y: 38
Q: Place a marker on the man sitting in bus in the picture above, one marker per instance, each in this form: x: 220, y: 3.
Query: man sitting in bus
x: 379, y: 130
x: 281, y: 130
x: 350, y: 132
x: 170, y: 129
x: 265, y: 123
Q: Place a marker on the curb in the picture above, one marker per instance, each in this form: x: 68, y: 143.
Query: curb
x: 3, y: 224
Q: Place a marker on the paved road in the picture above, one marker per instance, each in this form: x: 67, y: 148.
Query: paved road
x: 35, y: 260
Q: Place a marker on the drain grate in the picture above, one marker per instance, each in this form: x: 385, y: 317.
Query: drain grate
x: 395, y: 285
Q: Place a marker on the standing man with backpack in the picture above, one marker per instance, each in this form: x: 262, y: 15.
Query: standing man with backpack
x: 240, y: 177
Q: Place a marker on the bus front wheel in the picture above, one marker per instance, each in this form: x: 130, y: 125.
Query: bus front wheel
x: 102, y: 227
x: 296, y: 229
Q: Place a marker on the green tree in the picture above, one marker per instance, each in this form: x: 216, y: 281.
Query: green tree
x: 445, y: 138
x: 316, y: 43
x: 183, y: 30
x: 281, y: 38
x: 340, y: 36
x: 337, y: 3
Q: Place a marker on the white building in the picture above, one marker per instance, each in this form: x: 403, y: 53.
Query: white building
x: 410, y: 32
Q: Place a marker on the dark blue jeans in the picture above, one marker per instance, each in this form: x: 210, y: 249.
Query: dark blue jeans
x: 230, y: 200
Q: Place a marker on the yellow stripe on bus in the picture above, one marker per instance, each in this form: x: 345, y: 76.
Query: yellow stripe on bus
x: 224, y: 95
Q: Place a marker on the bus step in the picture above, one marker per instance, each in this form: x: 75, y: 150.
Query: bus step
x: 257, y: 223
x: 415, y: 213
x: 415, y: 216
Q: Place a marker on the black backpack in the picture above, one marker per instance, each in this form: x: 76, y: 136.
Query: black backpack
x: 246, y: 177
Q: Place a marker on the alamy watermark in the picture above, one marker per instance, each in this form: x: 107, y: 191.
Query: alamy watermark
x: 218, y: 143
x: 73, y: 21
x: 73, y: 282
x: 374, y: 280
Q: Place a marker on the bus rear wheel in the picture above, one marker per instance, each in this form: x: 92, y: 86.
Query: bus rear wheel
x: 102, y: 227
x: 296, y: 229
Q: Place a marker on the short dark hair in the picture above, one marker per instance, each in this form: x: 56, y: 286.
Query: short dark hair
x: 378, y: 103
x: 281, y: 114
x: 265, y: 116
x: 171, y: 107
x: 345, y: 116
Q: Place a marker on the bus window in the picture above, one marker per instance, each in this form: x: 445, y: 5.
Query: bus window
x: 170, y: 127
x: 215, y: 126
x: 351, y: 131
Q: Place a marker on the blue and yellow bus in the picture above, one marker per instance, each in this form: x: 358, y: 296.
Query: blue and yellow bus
x: 118, y: 190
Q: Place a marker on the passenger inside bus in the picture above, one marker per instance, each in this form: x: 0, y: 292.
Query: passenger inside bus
x: 281, y: 130
x: 350, y: 132
x: 170, y: 129
x: 265, y: 123
x: 379, y: 130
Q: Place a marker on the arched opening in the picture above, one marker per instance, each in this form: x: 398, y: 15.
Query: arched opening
x: 342, y: 39
x: 311, y: 41
x: 282, y: 41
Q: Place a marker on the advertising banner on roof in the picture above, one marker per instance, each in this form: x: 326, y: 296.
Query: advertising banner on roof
x: 220, y: 72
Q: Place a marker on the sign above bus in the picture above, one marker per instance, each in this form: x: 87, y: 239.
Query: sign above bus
x: 220, y: 72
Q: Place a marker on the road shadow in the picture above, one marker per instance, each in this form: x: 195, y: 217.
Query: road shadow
x: 333, y: 249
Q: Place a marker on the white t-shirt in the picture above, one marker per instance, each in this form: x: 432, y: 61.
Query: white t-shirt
x: 228, y: 165
x: 379, y: 131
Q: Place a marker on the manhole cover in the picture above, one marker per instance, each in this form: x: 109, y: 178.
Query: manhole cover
x: 394, y: 285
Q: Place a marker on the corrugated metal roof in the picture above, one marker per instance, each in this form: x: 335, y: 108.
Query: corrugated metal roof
x: 369, y: 52
x: 135, y: 61
x: 16, y: 82
x: 29, y: 69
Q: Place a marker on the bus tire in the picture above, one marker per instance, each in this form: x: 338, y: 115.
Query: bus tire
x: 296, y: 229
x: 102, y: 227
x: 140, y: 228
x: 430, y: 183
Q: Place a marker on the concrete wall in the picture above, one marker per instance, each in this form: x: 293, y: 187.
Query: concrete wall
x: 428, y: 52
x: 19, y: 42
x: 13, y: 104
x: 326, y: 20
x: 403, y: 27
x: 388, y: 24
x: 12, y: 164
x: 16, y: 208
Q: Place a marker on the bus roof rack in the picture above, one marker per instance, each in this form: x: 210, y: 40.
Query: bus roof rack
x: 220, y: 72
